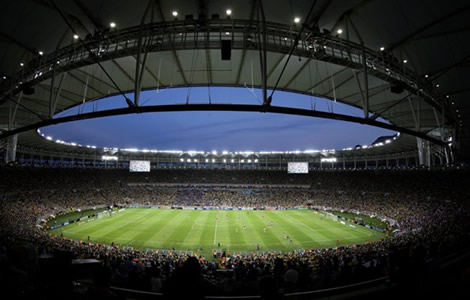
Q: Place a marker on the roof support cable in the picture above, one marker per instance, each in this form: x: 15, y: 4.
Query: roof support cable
x: 294, y: 46
x: 128, y: 101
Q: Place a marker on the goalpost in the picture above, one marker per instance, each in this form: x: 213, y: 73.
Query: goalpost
x: 329, y: 216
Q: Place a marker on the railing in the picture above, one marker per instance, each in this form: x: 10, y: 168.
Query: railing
x: 379, y: 283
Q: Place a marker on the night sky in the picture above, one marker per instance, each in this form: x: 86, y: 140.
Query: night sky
x: 208, y: 131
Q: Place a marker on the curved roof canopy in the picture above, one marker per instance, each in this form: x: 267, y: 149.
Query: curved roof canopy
x: 403, y: 61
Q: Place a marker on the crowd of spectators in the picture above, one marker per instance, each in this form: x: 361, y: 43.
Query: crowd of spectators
x: 430, y: 209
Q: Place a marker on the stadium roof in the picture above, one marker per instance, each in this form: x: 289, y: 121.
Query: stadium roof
x: 403, y: 61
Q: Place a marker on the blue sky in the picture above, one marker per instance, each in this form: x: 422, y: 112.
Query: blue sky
x: 208, y: 131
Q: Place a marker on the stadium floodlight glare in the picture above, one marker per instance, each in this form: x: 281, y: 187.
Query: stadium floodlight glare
x: 242, y: 161
x: 364, y: 147
x: 21, y: 64
x: 73, y: 144
x: 4, y: 77
x: 181, y: 160
x: 213, y: 160
x: 214, y: 152
x: 109, y: 157
x: 224, y: 152
x: 437, y: 85
x: 388, y: 141
x: 228, y: 12
x: 328, y: 159
x: 112, y: 24
x: 131, y: 149
x: 426, y: 76
x: 256, y: 160
x: 310, y: 151
x: 249, y: 161
x: 339, y: 31
x: 189, y: 160
x: 382, y: 48
x: 195, y: 160
x: 296, y: 20
x: 75, y: 36
x: 174, y: 13
x: 224, y: 160
x: 405, y: 61
x: 41, y: 53
x: 49, y: 138
x: 207, y: 160
x: 227, y: 33
x: 232, y: 161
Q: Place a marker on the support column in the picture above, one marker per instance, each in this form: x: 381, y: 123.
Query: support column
x: 12, y: 142
x: 424, y: 152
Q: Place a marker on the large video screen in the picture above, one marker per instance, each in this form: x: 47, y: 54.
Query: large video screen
x: 297, y: 167
x: 139, y: 166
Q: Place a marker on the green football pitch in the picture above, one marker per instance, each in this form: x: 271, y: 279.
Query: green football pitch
x: 283, y: 230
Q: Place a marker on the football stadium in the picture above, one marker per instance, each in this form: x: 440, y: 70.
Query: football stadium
x: 253, y: 149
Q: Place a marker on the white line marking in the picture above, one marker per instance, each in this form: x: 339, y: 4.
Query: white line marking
x: 215, y: 231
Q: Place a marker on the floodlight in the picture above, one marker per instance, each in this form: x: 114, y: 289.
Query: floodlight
x: 297, y: 20
x: 174, y: 13
x: 228, y: 12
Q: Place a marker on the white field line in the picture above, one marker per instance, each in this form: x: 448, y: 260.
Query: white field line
x: 215, y: 231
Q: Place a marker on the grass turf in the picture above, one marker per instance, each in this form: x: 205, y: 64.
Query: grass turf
x: 144, y: 228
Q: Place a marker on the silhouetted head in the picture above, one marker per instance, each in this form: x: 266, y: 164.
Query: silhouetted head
x: 191, y: 266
